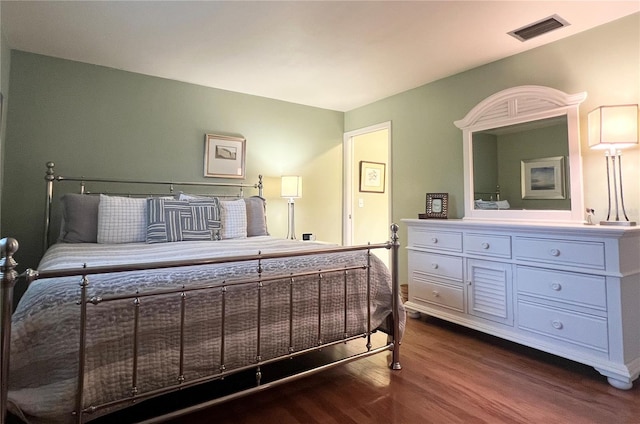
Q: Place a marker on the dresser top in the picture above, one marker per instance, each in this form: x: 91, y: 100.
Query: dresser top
x: 521, y: 226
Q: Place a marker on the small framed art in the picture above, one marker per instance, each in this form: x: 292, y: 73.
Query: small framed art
x: 437, y: 205
x: 372, y: 177
x: 224, y: 156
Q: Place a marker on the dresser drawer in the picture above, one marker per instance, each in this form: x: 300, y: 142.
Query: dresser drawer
x: 436, y: 265
x: 488, y: 245
x: 585, y: 254
x: 439, y: 240
x: 579, y: 289
x: 425, y: 291
x: 579, y: 329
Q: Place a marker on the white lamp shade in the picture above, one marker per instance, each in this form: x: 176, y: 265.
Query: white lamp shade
x: 291, y: 186
x: 613, y: 127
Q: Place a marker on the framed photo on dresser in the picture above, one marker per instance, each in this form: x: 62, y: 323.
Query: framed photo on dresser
x: 437, y: 205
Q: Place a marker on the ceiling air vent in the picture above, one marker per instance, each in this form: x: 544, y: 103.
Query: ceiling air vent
x: 538, y: 28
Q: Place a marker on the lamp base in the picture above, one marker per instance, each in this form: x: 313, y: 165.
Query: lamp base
x: 619, y: 223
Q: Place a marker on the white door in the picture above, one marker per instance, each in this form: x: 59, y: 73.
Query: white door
x: 367, y: 201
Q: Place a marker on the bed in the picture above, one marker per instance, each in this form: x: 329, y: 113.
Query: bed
x: 115, y: 316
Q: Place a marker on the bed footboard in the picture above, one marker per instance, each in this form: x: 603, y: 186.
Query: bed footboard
x: 284, y: 284
x: 8, y: 247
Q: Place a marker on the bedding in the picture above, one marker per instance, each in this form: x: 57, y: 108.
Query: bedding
x: 490, y: 204
x: 256, y: 216
x: 79, y: 218
x: 115, y: 219
x: 44, y: 347
x: 234, y: 225
x: 233, y: 214
x: 121, y: 219
x: 171, y: 220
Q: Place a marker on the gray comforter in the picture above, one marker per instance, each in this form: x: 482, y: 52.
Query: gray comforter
x: 45, y: 338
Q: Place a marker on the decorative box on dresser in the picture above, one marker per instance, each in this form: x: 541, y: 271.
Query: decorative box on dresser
x: 571, y: 290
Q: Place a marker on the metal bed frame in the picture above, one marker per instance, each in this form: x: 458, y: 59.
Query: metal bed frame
x: 9, y: 246
x: 493, y: 195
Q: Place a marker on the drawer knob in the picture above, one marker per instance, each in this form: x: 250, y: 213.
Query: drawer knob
x: 557, y: 324
x: 434, y: 266
x: 556, y: 286
x: 485, y: 245
x: 434, y: 240
x: 554, y: 252
x: 436, y: 294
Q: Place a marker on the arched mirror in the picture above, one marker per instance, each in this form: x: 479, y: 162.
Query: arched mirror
x: 522, y: 156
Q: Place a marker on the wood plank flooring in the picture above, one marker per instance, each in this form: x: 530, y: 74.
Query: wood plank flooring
x: 450, y: 375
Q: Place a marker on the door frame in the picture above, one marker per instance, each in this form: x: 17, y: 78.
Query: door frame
x: 349, y: 174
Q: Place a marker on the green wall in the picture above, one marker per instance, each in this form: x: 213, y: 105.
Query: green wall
x: 96, y: 121
x: 5, y: 65
x: 485, y: 166
x: 427, y: 146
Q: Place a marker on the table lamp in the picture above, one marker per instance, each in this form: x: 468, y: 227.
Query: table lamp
x: 291, y: 189
x: 613, y: 128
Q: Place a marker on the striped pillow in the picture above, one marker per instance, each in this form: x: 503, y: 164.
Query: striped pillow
x: 179, y: 220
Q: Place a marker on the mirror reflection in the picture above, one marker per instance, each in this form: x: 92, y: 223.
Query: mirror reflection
x: 522, y: 166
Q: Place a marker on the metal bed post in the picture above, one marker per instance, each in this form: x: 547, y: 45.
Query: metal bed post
x: 82, y: 348
x: 49, y: 178
x: 8, y: 247
x: 368, y: 271
x: 395, y: 282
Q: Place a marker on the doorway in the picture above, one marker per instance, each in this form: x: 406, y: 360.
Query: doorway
x: 367, y: 206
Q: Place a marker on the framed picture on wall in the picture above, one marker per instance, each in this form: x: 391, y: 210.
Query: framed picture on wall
x: 224, y: 156
x: 543, y: 178
x: 437, y: 205
x: 372, y: 177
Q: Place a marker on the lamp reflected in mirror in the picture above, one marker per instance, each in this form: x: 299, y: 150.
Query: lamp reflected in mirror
x: 613, y: 128
x: 291, y: 189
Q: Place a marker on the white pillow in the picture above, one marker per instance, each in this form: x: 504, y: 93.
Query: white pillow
x: 122, y: 219
x: 233, y: 214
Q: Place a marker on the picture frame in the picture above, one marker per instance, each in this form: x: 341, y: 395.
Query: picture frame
x: 372, y: 177
x: 437, y: 205
x: 543, y: 178
x: 224, y: 156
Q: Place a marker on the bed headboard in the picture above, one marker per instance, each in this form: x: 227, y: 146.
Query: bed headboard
x: 136, y: 188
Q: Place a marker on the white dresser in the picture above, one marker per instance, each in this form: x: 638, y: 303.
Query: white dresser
x: 570, y: 290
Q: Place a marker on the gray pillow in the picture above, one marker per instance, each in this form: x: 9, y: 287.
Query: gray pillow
x: 256, y: 216
x: 80, y: 218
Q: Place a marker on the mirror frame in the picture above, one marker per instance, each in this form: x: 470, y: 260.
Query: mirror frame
x: 515, y: 106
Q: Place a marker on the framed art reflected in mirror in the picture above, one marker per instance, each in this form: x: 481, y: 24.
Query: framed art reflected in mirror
x: 543, y: 178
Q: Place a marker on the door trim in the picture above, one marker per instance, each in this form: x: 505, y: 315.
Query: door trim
x: 349, y: 175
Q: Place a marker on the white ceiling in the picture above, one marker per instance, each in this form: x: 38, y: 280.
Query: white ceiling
x: 336, y: 55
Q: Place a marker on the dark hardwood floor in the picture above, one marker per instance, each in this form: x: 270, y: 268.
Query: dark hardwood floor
x: 450, y: 375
